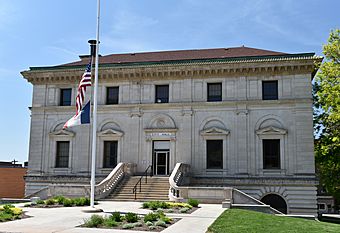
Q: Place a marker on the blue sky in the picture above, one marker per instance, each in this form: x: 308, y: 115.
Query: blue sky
x: 43, y: 33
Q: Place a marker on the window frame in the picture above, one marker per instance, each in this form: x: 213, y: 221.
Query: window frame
x: 266, y: 96
x: 107, y: 158
x: 158, y: 97
x: 58, y: 157
x: 62, y: 101
x: 112, y: 101
x: 267, y: 157
x: 208, y: 154
x: 214, y: 98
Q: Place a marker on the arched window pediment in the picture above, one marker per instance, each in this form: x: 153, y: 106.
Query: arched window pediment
x: 110, y: 133
x: 214, y: 131
x: 62, y: 133
x: 271, y: 130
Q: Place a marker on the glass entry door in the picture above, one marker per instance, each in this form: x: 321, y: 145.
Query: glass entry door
x: 161, y: 162
x: 160, y: 157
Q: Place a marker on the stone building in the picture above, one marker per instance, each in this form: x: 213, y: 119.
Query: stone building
x: 240, y: 117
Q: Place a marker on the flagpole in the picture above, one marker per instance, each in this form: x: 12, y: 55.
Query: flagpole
x: 94, y: 124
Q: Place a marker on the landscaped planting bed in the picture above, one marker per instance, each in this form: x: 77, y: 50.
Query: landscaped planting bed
x: 154, y: 221
x: 172, y: 207
x: 10, y: 212
x: 60, y: 201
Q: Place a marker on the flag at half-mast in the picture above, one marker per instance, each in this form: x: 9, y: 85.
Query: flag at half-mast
x: 83, y: 102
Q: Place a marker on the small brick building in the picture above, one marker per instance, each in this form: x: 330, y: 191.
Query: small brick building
x: 12, y: 183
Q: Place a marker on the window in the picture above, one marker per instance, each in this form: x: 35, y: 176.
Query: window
x: 214, y: 154
x: 162, y: 94
x: 271, y: 153
x: 112, y: 95
x: 110, y: 154
x: 214, y: 92
x: 65, y: 97
x: 321, y: 206
x: 269, y: 90
x: 62, y: 154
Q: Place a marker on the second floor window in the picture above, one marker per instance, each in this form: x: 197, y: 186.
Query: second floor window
x: 65, y: 96
x: 214, y: 92
x: 269, y: 90
x: 162, y: 94
x: 62, y: 156
x: 112, y: 95
x: 271, y: 153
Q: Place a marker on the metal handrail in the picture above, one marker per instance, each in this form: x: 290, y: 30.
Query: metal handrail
x: 134, y: 190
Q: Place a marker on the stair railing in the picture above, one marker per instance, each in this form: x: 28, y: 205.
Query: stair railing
x: 105, y: 187
x: 177, y: 177
x: 145, y: 174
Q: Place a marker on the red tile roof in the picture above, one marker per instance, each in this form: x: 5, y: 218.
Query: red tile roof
x: 179, y: 55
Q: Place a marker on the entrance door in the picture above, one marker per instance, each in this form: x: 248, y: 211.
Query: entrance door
x: 160, y: 157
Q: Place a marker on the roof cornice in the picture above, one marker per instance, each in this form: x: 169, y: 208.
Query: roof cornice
x: 298, y: 63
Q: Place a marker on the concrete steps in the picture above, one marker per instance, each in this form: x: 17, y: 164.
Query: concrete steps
x: 156, y: 188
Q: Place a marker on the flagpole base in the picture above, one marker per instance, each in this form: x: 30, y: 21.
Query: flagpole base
x: 90, y: 209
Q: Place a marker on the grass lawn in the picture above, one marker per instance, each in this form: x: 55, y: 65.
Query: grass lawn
x: 234, y: 220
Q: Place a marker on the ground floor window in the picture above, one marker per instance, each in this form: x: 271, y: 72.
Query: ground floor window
x: 214, y: 154
x: 271, y: 153
x: 110, y: 154
x: 62, y: 156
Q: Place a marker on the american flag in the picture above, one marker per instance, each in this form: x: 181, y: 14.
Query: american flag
x: 84, y: 82
x: 82, y: 115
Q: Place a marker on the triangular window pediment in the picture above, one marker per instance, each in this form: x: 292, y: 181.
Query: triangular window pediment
x: 110, y: 132
x: 62, y: 133
x: 271, y: 130
x: 214, y: 131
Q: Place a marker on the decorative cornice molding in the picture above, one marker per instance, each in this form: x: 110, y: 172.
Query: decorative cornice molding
x: 214, y: 131
x: 271, y: 130
x: 62, y: 133
x: 110, y: 133
x: 176, y: 71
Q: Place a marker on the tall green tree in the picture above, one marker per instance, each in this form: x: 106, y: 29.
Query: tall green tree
x: 327, y: 116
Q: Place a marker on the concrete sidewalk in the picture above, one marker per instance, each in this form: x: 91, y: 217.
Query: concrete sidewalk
x: 66, y: 219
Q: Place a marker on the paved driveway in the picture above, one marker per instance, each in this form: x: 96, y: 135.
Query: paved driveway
x: 66, y: 220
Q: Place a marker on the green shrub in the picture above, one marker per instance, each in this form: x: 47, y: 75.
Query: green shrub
x: 166, y: 219
x: 81, y: 201
x: 131, y: 217
x: 193, y: 202
x: 184, y: 210
x: 160, y: 223
x: 128, y: 226
x: 170, y: 211
x: 154, y: 205
x: 116, y: 216
x: 145, y: 205
x: 5, y: 216
x: 59, y: 199
x: 68, y: 202
x: 149, y: 224
x: 7, y: 209
x: 109, y: 222
x: 27, y: 205
x: 151, y: 217
x: 94, y: 221
x: 40, y: 202
x: 50, y: 202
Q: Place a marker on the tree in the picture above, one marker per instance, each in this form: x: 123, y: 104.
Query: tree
x: 327, y: 116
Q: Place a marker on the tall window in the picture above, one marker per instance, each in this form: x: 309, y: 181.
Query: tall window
x: 162, y: 94
x: 269, y: 90
x: 214, y: 92
x: 112, y: 95
x: 271, y: 153
x: 110, y: 154
x: 214, y: 154
x: 62, y: 154
x: 65, y: 96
